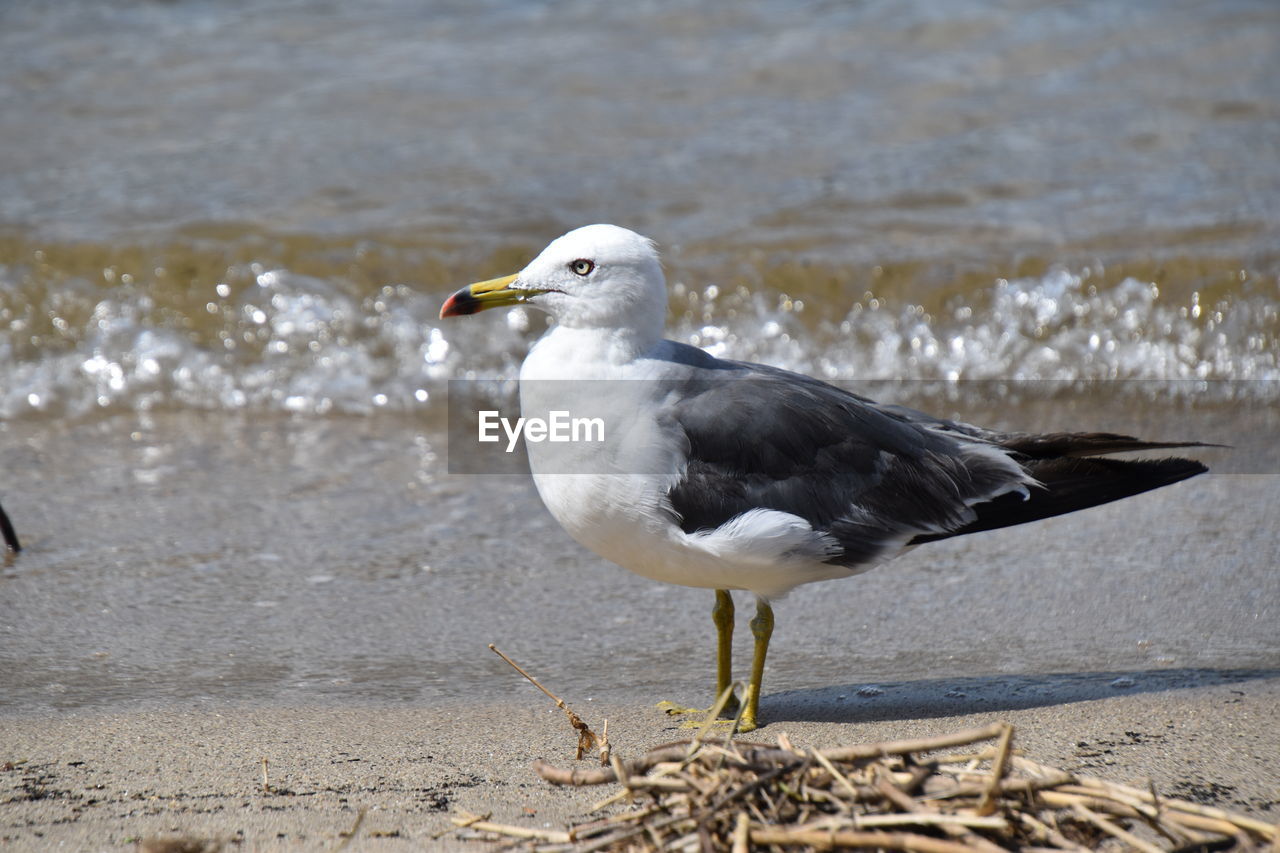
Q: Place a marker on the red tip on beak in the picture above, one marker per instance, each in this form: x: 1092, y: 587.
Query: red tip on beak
x: 459, y: 304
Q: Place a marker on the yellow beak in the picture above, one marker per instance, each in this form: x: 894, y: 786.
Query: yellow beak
x: 495, y: 293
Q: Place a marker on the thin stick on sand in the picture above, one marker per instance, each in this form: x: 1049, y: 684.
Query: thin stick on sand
x: 470, y: 821
x: 350, y: 833
x: 987, y: 805
x: 587, y: 739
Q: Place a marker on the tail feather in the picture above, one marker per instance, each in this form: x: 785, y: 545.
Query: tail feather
x: 1069, y: 483
x: 1076, y: 444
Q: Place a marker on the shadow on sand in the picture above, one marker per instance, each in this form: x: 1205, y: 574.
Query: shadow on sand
x: 949, y: 697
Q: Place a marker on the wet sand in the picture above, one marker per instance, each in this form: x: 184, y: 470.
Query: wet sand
x: 198, y: 558
x: 199, y: 592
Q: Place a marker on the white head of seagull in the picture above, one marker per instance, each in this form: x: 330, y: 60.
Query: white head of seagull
x: 594, y: 277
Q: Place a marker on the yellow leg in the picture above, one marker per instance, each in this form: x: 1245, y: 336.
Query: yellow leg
x: 722, y: 615
x: 762, y: 630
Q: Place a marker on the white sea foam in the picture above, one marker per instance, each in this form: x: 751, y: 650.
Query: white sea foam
x: 294, y: 343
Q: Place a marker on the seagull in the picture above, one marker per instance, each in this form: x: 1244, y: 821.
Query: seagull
x: 728, y: 475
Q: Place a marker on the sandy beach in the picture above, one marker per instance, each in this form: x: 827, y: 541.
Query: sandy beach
x: 100, y: 782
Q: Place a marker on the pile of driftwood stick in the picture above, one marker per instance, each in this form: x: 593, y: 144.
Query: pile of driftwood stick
x: 916, y: 795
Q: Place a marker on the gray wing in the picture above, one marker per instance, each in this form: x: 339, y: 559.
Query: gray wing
x: 873, y: 476
x: 870, y: 478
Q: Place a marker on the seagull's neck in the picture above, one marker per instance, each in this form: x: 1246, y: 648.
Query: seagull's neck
x: 569, y: 352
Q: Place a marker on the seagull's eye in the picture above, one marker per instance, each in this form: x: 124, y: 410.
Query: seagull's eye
x: 582, y: 266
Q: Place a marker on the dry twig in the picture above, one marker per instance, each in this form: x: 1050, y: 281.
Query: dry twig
x: 587, y: 739
x: 724, y: 795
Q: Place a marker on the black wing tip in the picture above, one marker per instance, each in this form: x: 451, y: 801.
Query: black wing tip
x: 1200, y: 467
x: 1086, y: 444
x: 1170, y: 470
x: 1097, y: 480
x: 10, y: 535
x: 1069, y: 484
x: 1179, y: 445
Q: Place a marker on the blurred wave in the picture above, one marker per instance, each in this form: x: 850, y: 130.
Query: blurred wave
x: 205, y: 206
x: 353, y: 329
